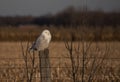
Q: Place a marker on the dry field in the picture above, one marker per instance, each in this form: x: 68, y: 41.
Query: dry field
x: 30, y: 33
x: 12, y: 67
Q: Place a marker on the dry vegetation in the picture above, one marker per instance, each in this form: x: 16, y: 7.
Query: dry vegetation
x: 60, y: 33
x: 82, y: 61
x: 12, y: 66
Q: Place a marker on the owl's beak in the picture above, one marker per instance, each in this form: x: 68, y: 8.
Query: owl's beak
x: 47, y: 33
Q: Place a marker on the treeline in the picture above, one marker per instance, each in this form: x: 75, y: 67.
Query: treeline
x: 67, y: 17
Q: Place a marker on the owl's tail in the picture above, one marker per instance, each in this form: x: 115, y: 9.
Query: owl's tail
x: 32, y: 49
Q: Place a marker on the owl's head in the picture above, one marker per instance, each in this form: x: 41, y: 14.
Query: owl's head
x: 46, y: 33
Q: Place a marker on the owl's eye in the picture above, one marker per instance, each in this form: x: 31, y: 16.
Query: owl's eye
x: 47, y: 33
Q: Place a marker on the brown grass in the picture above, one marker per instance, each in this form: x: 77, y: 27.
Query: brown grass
x: 12, y: 64
x: 26, y: 33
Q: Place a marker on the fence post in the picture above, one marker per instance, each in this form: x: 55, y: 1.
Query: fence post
x: 44, y: 63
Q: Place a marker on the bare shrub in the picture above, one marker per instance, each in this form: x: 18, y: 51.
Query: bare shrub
x: 87, y: 61
x: 30, y: 62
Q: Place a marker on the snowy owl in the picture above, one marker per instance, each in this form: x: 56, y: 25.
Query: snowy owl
x: 42, y: 41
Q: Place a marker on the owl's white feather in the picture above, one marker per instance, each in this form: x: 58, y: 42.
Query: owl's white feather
x: 42, y: 41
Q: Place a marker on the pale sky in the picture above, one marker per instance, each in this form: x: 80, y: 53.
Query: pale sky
x: 41, y: 7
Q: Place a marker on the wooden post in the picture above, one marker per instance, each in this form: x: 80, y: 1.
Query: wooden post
x: 44, y: 63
